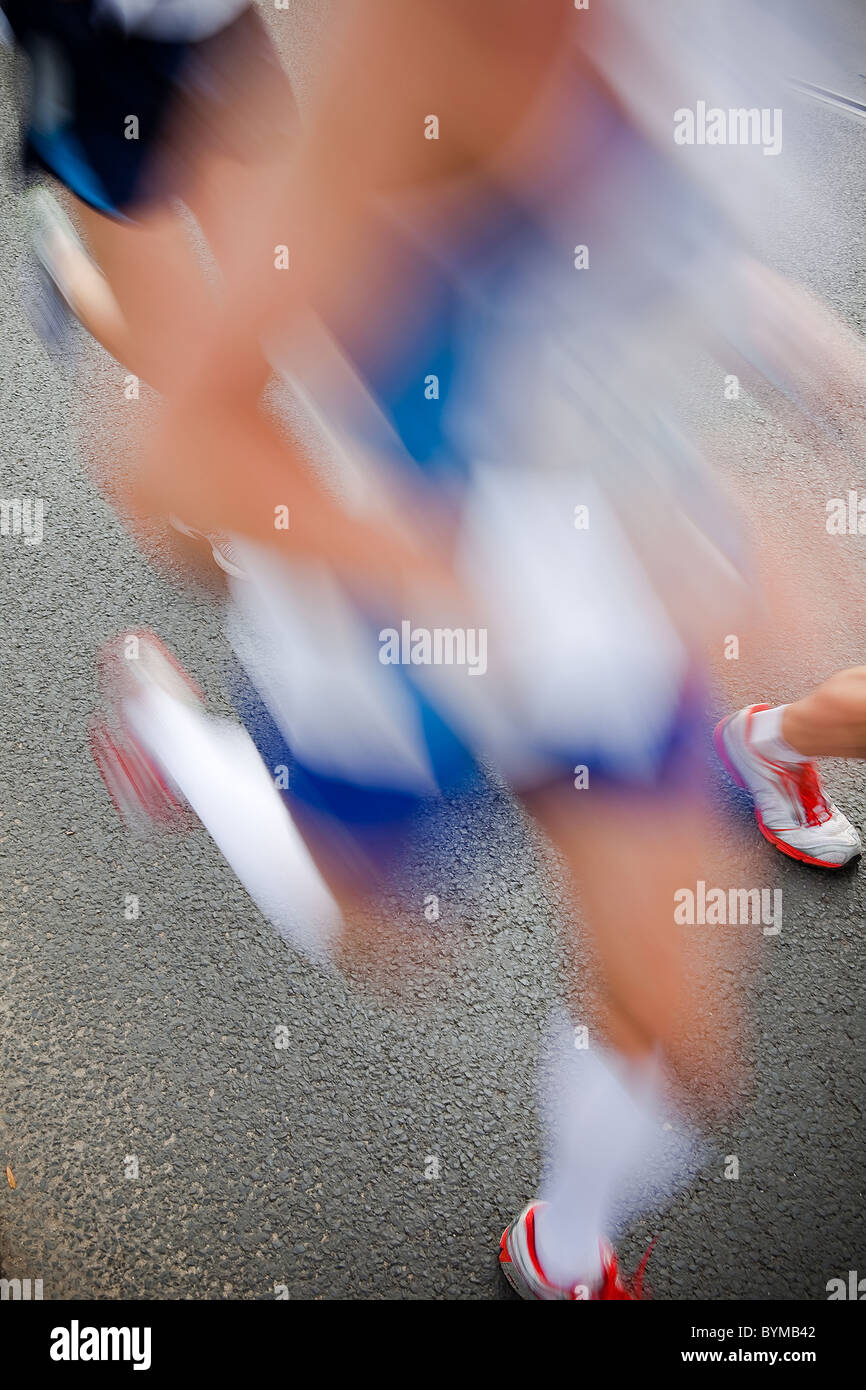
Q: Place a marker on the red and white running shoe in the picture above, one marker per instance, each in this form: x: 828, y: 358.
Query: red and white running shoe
x: 791, y: 807
x: 520, y: 1264
x: 129, y: 666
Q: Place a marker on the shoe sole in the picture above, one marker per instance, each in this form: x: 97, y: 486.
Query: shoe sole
x: 506, y: 1264
x: 800, y: 855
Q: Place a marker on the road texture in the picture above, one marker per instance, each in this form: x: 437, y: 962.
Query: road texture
x: 380, y: 1151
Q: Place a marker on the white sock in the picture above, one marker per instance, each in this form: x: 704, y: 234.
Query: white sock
x: 766, y: 738
x: 606, y: 1116
x: 215, y: 765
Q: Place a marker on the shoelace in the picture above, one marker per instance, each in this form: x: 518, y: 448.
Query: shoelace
x: 802, y: 782
x: 613, y: 1288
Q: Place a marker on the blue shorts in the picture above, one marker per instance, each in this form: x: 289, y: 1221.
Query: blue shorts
x: 368, y: 828
x: 118, y: 119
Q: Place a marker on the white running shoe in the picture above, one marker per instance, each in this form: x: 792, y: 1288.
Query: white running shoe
x: 520, y: 1265
x: 791, y: 807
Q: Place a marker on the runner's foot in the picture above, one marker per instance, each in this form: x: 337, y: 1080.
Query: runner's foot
x: 520, y: 1265
x: 792, y: 808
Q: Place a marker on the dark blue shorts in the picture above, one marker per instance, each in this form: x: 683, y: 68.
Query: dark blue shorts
x: 118, y: 119
x: 366, y: 830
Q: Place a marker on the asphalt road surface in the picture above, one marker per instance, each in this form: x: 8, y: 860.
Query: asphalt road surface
x: 162, y: 1145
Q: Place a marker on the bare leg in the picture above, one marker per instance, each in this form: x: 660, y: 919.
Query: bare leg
x: 160, y: 292
x: 831, y: 722
x: 88, y: 292
x: 627, y: 856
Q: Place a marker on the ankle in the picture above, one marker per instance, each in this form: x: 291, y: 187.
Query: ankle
x: 771, y: 735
